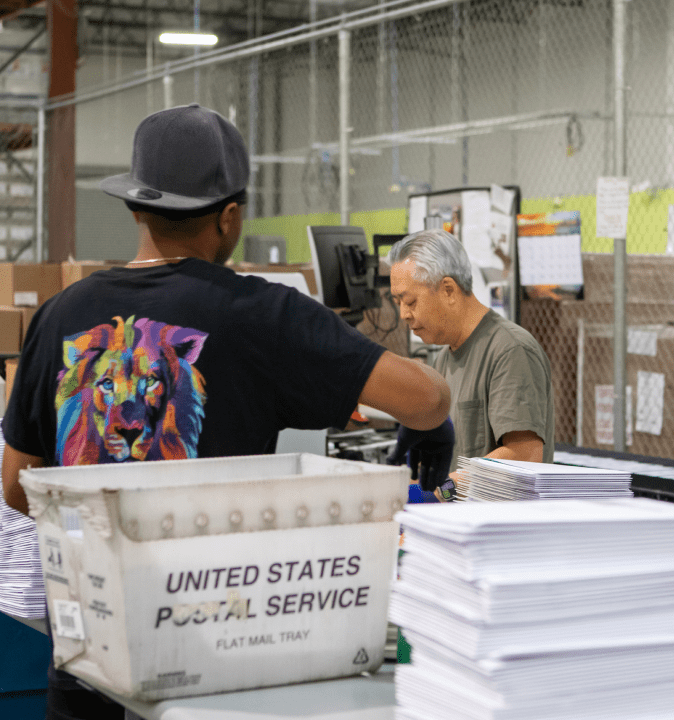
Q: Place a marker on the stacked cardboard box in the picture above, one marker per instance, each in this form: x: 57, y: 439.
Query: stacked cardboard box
x: 28, y: 285
x: 11, y: 365
x: 10, y: 330
x: 74, y: 270
x: 555, y: 324
x: 644, y: 438
x: 23, y: 288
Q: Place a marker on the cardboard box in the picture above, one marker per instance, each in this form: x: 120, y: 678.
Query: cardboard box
x: 649, y: 278
x: 556, y: 326
x: 28, y: 284
x: 10, y: 330
x: 598, y: 371
x: 188, y: 577
x: 73, y: 271
x: 27, y: 314
x: 11, y: 364
x: 13, y: 320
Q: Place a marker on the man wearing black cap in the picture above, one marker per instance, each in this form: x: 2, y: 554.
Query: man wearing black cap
x: 175, y: 356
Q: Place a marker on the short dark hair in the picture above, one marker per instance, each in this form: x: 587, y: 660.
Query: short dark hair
x: 240, y: 198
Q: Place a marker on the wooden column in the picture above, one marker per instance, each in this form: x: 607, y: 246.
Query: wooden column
x: 62, y: 23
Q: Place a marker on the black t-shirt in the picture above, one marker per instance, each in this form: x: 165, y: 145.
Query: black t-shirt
x: 180, y: 361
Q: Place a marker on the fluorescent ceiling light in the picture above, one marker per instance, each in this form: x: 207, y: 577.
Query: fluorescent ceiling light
x: 184, y: 38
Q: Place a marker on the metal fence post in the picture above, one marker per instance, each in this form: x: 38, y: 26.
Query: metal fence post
x: 619, y: 246
x: 313, y: 83
x: 344, y: 129
x: 253, y: 118
x: 168, y: 90
x: 39, y: 190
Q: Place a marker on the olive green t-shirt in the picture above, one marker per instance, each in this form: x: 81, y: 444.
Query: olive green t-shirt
x: 500, y: 382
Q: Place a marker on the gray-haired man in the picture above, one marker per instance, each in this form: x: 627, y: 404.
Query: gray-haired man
x: 499, y: 376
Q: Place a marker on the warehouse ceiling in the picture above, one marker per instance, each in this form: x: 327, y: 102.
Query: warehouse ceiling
x: 130, y: 25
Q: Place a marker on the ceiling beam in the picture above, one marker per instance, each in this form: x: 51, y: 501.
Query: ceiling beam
x: 163, y: 9
x: 10, y: 11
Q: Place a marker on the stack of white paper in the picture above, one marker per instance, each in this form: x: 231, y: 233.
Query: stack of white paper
x: 21, y: 584
x: 489, y: 479
x: 537, y: 611
x: 636, y: 467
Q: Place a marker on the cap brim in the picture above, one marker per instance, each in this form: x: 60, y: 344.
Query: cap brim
x: 125, y: 187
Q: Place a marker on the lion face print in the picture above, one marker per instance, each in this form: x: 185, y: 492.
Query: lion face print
x: 130, y: 391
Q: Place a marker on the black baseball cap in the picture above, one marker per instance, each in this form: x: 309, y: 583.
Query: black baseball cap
x: 184, y: 158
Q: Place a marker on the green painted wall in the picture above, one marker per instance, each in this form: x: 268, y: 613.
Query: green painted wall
x: 646, y: 227
x: 294, y: 229
x: 646, y: 224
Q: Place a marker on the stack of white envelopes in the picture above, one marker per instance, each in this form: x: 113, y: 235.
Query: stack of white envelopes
x: 21, y: 584
x: 537, y: 611
x: 490, y: 479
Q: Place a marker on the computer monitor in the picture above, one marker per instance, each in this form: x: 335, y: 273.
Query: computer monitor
x: 344, y: 268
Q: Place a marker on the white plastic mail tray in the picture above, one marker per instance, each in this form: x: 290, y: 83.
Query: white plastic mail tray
x: 177, y: 578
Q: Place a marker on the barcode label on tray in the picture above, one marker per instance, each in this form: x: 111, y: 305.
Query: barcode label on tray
x: 68, y: 618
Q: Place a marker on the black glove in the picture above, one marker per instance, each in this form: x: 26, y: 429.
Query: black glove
x: 430, y: 449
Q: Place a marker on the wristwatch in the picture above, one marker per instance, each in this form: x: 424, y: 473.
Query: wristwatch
x: 448, y: 490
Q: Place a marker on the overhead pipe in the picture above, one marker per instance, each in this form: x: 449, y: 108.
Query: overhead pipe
x: 278, y: 41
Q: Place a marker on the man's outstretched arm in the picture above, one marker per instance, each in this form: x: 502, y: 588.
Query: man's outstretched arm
x: 414, y: 394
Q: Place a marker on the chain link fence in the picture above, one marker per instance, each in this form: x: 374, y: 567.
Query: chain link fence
x: 18, y: 183
x: 455, y: 94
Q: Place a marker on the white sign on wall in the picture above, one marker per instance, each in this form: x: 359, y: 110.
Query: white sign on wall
x: 603, y: 402
x: 613, y: 199
x: 650, y: 402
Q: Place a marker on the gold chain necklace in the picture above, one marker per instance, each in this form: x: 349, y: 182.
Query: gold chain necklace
x: 163, y: 259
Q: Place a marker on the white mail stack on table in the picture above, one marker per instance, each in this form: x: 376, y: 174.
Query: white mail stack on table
x: 21, y: 584
x: 557, y: 610
x: 491, y: 479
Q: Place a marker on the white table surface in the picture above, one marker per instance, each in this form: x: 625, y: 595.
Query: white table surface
x: 355, y: 698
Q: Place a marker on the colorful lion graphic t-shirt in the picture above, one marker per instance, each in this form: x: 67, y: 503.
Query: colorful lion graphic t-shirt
x: 129, y: 390
x: 180, y: 361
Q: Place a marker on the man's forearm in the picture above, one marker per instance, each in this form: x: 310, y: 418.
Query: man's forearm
x: 521, y: 445
x: 13, y: 462
x: 524, y: 445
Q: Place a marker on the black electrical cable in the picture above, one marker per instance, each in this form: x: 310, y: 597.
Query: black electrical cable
x: 574, y: 135
x: 374, y: 319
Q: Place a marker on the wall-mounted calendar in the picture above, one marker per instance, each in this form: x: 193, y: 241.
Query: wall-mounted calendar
x: 548, y: 249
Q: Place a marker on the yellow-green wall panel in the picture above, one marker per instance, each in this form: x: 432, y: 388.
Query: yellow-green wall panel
x: 646, y: 226
x: 294, y: 229
x: 646, y: 223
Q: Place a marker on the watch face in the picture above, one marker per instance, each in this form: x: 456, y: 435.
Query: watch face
x: 448, y: 490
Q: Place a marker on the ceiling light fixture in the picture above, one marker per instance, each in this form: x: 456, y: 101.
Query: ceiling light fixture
x: 185, y: 38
